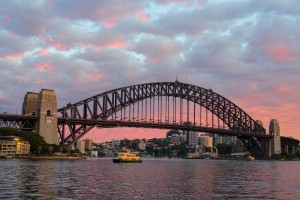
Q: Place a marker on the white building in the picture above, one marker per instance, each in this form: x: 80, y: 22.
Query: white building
x: 81, y: 146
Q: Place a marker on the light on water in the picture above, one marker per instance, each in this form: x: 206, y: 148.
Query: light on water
x: 152, y: 179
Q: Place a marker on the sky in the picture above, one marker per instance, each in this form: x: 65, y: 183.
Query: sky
x: 247, y: 51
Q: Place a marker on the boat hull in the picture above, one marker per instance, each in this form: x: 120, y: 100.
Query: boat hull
x: 116, y: 160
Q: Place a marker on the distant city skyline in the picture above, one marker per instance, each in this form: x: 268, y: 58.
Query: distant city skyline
x: 246, y: 51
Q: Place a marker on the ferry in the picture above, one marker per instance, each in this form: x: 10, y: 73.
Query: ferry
x: 127, y: 157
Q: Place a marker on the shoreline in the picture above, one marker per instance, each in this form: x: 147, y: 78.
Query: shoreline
x: 48, y: 158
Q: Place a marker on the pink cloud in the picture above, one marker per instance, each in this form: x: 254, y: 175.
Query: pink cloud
x: 2, y: 97
x: 284, y: 89
x: 60, y: 46
x: 45, y: 67
x: 202, y: 4
x: 88, y: 78
x: 97, y: 48
x: 44, y: 52
x: 14, y: 56
x: 252, y: 86
x: 142, y: 16
x: 55, y: 42
x: 109, y: 24
x: 7, y: 17
x: 280, y: 53
x: 116, y: 44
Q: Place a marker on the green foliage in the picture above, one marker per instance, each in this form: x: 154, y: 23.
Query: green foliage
x: 76, y: 151
x: 50, y: 148
x: 125, y: 143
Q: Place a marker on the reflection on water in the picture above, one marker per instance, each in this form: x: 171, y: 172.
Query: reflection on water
x: 152, y: 179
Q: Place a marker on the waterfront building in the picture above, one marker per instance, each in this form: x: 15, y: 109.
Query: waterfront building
x: 13, y: 145
x: 192, y: 138
x: 172, y: 133
x: 206, y: 141
x: 81, y: 146
x: 88, y: 144
x: 224, y: 139
x: 275, y: 142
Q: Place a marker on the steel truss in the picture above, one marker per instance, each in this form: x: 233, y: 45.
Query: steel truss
x: 144, y: 106
x: 18, y: 121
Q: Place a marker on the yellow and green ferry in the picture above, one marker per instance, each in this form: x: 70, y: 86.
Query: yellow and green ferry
x: 127, y: 157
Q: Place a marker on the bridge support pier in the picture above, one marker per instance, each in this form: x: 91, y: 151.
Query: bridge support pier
x: 274, y: 144
x: 44, y: 105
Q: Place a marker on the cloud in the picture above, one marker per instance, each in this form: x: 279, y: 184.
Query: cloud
x: 155, y: 48
x: 247, y: 51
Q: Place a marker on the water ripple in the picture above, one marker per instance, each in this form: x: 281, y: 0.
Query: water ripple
x: 152, y: 179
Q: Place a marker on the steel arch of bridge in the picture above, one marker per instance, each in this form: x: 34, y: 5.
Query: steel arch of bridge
x: 81, y: 117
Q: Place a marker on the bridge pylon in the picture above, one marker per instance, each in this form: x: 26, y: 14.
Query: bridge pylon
x: 44, y: 106
x: 274, y: 144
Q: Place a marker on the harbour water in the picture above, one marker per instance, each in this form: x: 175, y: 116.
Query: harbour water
x: 152, y: 179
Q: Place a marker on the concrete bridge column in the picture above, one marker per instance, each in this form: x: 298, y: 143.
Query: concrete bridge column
x: 30, y: 103
x: 274, y: 143
x: 47, y: 113
x: 44, y: 106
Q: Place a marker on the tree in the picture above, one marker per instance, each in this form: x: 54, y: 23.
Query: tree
x: 69, y: 149
x: 50, y: 148
x: 60, y: 149
x: 76, y: 151
x: 40, y: 148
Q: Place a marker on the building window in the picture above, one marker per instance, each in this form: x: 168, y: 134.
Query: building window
x: 48, y: 113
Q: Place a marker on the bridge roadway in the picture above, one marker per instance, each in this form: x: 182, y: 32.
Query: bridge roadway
x: 160, y: 125
x: 27, y: 123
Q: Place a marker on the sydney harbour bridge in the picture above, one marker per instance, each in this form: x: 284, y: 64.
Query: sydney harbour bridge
x: 161, y: 105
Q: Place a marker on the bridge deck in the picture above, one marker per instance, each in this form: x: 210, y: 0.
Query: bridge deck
x: 137, y: 124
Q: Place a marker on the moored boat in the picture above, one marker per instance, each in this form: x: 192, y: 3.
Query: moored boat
x: 250, y: 158
x: 127, y: 157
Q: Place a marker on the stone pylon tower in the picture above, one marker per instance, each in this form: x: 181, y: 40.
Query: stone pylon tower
x: 30, y: 103
x: 275, y: 143
x: 47, y: 113
x: 44, y: 106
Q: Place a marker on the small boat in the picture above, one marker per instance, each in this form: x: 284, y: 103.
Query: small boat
x: 250, y: 158
x: 127, y: 157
